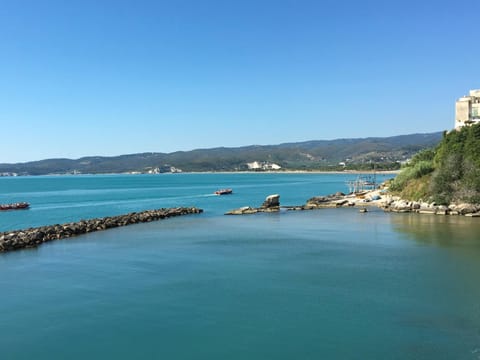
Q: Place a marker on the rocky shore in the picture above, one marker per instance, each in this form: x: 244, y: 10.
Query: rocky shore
x: 32, y: 237
x: 404, y: 206
x: 389, y: 203
x: 377, y: 198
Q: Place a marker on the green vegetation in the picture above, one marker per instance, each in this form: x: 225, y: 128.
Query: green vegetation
x: 447, y: 173
x: 420, y: 165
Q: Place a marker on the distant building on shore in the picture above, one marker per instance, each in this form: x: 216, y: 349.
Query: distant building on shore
x: 264, y: 165
x: 467, y: 109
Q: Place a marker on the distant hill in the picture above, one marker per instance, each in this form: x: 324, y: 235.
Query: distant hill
x: 385, y: 153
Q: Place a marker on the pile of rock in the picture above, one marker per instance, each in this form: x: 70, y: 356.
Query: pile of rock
x: 338, y: 199
x: 271, y: 204
x: 18, y: 239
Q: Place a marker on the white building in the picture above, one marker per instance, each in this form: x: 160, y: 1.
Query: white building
x: 467, y: 109
x: 265, y: 165
x: 254, y: 165
x: 271, y: 166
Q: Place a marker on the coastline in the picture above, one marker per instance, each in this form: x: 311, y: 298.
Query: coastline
x: 379, y: 198
x: 336, y: 172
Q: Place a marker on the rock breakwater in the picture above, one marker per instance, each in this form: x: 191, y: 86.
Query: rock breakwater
x: 32, y: 237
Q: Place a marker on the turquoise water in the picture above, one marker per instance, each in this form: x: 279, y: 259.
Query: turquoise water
x: 325, y: 284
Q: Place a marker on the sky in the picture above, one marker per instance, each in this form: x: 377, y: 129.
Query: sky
x: 104, y: 78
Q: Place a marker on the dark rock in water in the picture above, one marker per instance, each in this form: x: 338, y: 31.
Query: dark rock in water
x: 18, y: 239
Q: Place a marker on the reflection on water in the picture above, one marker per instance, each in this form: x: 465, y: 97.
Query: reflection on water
x: 449, y: 267
x: 438, y: 229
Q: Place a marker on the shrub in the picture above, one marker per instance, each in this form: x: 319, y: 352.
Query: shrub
x: 419, y: 169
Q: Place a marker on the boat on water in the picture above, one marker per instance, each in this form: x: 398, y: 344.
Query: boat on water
x: 15, y: 206
x: 224, y: 192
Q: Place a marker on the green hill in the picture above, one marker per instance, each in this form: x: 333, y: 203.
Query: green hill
x: 447, y: 173
x: 385, y: 153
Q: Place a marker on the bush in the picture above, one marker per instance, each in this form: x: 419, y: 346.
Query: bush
x: 419, y: 169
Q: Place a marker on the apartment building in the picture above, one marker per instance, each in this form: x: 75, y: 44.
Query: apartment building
x: 467, y: 109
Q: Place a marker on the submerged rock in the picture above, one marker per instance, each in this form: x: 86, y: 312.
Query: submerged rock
x: 242, y: 211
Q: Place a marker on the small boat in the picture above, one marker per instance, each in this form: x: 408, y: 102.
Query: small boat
x: 223, y: 192
x: 15, y: 206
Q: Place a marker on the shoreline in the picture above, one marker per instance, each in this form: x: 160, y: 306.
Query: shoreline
x: 335, y: 172
x: 379, y: 198
x: 388, y: 203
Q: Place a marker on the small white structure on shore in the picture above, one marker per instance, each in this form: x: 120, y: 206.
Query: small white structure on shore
x: 467, y: 109
x: 265, y: 165
x: 164, y: 169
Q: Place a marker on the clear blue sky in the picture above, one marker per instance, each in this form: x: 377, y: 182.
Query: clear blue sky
x: 81, y: 78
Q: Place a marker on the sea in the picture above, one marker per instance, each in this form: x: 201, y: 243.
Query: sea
x: 319, y: 284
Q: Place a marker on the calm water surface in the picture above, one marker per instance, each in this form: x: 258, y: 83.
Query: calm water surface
x: 326, y: 284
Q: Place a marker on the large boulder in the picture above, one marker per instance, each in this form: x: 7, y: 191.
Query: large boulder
x: 464, y: 209
x: 271, y: 201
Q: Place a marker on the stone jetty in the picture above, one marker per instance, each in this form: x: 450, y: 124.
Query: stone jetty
x: 32, y: 237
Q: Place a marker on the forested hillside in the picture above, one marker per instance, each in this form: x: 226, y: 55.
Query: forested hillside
x: 447, y: 173
x: 349, y: 154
